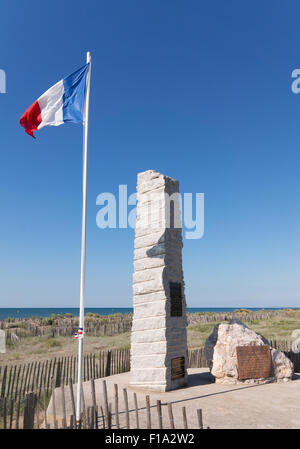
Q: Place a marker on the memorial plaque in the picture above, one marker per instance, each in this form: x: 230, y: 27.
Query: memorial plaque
x: 177, y: 368
x: 176, y: 299
x: 254, y: 362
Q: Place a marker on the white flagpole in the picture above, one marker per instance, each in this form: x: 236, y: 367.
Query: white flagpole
x: 83, y: 238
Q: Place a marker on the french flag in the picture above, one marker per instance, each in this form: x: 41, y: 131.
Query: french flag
x: 62, y: 103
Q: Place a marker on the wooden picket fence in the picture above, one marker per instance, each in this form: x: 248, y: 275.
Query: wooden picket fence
x: 16, y: 413
x: 196, y: 358
x: 96, y: 325
x: 40, y: 378
x: 93, y: 329
x: 28, y: 412
x: 240, y: 314
x: 16, y: 380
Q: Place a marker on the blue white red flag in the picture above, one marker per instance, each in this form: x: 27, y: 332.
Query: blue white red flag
x: 62, y: 103
x: 79, y: 333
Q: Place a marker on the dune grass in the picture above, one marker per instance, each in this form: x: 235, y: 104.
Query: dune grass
x: 272, y: 329
x: 42, y: 348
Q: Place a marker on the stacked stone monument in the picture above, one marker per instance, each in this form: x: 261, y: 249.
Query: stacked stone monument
x: 158, y: 339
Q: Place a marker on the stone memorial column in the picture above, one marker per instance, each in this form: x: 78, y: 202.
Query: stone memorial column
x: 158, y: 339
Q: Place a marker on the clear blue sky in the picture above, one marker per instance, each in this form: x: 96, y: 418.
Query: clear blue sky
x: 198, y: 90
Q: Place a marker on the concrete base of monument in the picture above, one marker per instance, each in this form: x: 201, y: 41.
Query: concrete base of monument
x: 160, y: 386
x: 267, y: 406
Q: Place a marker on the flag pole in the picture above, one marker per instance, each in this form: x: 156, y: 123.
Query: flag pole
x: 83, y: 238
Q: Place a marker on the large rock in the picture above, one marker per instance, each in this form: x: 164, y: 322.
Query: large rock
x: 220, y: 350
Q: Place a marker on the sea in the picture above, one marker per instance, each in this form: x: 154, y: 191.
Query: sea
x: 47, y: 311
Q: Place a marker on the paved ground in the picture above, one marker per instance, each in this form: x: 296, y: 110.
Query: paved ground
x: 267, y: 406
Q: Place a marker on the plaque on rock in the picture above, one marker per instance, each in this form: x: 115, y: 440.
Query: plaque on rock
x: 254, y: 362
x: 177, y: 368
x: 176, y: 298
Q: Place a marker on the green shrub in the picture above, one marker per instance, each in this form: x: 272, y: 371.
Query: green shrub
x: 241, y: 311
x: 52, y: 343
x: 12, y: 326
x: 47, y: 321
x: 104, y: 320
x: 11, y: 344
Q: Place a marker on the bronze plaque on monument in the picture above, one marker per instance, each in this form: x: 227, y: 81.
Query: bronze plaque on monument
x: 176, y: 298
x: 254, y: 362
x: 177, y: 368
